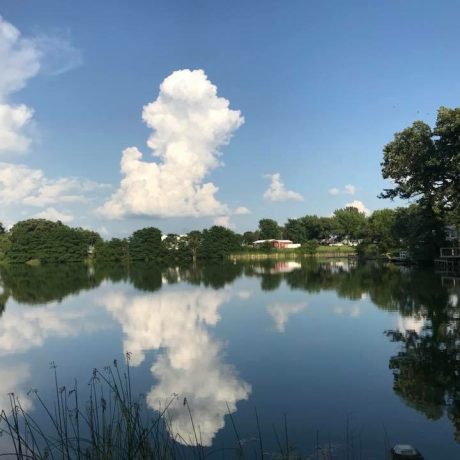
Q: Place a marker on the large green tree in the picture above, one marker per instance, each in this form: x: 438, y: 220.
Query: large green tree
x: 380, y: 230
x: 250, y: 237
x: 47, y: 241
x: 350, y: 222
x: 114, y: 250
x: 419, y: 230
x: 219, y: 242
x: 145, y: 244
x: 269, y: 229
x: 424, y: 163
x: 194, y: 240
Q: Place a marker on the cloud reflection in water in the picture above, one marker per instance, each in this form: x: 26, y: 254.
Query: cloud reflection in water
x: 190, y: 362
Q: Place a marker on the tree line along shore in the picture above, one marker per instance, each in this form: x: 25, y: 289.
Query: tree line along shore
x: 382, y: 234
x: 422, y: 164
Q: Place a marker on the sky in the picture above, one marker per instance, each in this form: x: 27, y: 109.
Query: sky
x: 182, y: 114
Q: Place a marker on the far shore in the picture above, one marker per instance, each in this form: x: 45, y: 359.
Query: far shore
x: 336, y: 252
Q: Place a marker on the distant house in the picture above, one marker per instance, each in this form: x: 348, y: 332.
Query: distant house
x: 277, y: 244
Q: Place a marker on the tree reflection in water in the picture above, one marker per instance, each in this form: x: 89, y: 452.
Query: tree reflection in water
x: 427, y: 369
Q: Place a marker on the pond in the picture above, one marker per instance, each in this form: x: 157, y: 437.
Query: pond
x: 339, y: 356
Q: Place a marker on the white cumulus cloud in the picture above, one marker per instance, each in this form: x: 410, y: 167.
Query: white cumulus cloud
x: 19, y: 61
x: 20, y: 184
x: 55, y: 215
x: 12, y: 121
x: 223, y: 221
x: 22, y: 58
x: 241, y: 210
x: 190, y: 123
x: 359, y: 205
x: 277, y: 191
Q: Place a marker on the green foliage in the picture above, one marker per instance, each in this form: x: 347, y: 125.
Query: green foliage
x: 46, y: 283
x: 420, y: 230
x: 425, y: 164
x: 194, y: 241
x: 269, y: 229
x: 271, y: 281
x: 112, y: 424
x: 367, y: 250
x: 49, y: 242
x: 309, y: 227
x: 309, y: 247
x: 145, y: 245
x: 217, y: 276
x: 145, y: 276
x: 316, y: 227
x: 171, y: 242
x: 250, y: 237
x: 265, y: 247
x: 5, y: 245
x: 381, y: 232
x: 219, y: 242
x: 114, y: 250
x: 2, y: 229
x: 350, y: 223
x: 294, y: 230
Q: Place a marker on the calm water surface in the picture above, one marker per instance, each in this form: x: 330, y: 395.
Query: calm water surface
x: 324, y: 343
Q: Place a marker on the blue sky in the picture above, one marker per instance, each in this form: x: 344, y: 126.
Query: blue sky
x: 322, y: 86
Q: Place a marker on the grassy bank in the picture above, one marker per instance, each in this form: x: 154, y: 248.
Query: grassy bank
x: 321, y: 251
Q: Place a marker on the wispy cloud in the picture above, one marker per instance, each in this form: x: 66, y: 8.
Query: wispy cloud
x: 353, y: 311
x: 277, y: 191
x: 347, y: 190
x: 58, y: 54
x: 190, y: 123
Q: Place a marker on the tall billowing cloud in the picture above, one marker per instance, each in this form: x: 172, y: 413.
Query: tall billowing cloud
x: 277, y: 191
x: 190, y: 123
x: 19, y: 61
